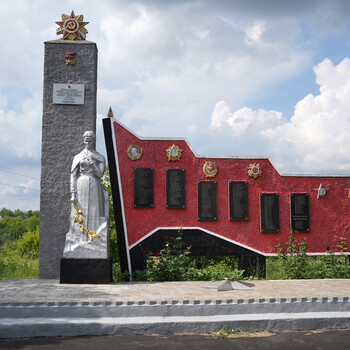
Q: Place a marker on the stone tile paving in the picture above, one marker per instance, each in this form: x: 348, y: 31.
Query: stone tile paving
x: 49, y: 290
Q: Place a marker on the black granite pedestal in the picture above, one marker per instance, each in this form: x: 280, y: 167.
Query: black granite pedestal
x: 86, y: 271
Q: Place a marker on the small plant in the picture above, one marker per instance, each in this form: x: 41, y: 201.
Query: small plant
x: 227, y: 331
x: 293, y: 258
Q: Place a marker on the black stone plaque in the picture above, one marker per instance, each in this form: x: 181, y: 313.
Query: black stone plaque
x: 207, y: 200
x: 175, y: 188
x: 143, y: 187
x: 299, y: 212
x: 269, y: 212
x: 238, y: 200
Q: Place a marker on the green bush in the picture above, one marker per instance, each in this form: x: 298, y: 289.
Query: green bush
x: 293, y: 258
x: 331, y: 265
x: 174, y: 263
x: 14, y: 264
x: 28, y: 243
x: 169, y: 264
x: 292, y: 262
x: 274, y: 268
x: 216, y: 271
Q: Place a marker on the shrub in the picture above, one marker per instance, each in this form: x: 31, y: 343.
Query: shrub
x: 28, y: 243
x: 13, y: 264
x: 293, y: 258
x: 169, y: 264
x: 331, y: 265
x: 216, y: 271
x: 174, y: 263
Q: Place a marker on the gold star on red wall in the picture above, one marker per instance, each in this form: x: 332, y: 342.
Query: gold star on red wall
x: 72, y: 27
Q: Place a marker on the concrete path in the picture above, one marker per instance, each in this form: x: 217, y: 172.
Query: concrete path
x: 36, y: 307
x: 46, y: 290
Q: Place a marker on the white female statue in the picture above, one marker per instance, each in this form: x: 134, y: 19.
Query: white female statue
x: 88, y: 233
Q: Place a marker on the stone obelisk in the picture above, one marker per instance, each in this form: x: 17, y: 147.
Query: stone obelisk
x: 69, y: 109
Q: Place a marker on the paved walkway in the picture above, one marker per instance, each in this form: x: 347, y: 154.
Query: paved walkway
x: 49, y: 290
x: 32, y: 307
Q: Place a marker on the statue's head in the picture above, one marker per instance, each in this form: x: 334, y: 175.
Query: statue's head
x: 89, y: 139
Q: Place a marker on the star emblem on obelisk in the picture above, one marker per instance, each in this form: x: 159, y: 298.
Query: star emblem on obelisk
x: 72, y: 27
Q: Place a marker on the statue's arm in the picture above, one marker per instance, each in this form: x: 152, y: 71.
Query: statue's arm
x: 73, y: 184
x: 98, y: 167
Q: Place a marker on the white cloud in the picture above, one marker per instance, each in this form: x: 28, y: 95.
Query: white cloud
x: 240, y: 120
x: 20, y: 132
x: 316, y: 139
x: 252, y: 31
x: 129, y: 37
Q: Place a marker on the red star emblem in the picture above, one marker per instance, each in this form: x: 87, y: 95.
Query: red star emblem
x: 72, y: 27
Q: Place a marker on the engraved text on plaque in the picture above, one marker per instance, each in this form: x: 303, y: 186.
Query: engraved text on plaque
x: 207, y: 200
x: 269, y: 212
x: 143, y: 187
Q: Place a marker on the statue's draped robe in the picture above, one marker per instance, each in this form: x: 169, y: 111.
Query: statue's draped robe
x: 92, y: 200
x: 85, y: 181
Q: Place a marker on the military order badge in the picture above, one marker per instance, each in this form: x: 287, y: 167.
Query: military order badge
x: 69, y: 56
x: 173, y: 153
x: 134, y: 152
x: 254, y: 170
x: 72, y: 27
x: 210, y: 169
x: 321, y: 191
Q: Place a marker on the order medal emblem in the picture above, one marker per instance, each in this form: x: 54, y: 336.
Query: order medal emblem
x: 134, y: 152
x: 173, y: 153
x: 254, y: 170
x: 210, y: 169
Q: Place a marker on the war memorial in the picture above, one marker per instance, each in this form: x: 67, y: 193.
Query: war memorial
x: 223, y: 205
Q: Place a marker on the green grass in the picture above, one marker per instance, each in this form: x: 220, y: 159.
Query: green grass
x: 226, y: 331
x: 13, y: 263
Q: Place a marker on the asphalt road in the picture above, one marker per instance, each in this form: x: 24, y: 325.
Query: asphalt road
x: 320, y: 340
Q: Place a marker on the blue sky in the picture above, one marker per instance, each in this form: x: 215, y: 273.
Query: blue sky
x: 265, y: 78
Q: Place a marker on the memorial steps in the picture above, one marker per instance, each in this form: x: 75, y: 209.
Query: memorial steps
x: 33, y: 317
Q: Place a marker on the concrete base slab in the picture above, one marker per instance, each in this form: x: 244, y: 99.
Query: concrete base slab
x: 32, y: 327
x: 34, y: 307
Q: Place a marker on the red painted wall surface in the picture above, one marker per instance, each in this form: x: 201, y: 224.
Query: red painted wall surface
x: 329, y: 217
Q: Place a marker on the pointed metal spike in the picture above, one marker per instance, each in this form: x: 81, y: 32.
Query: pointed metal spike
x: 110, y: 113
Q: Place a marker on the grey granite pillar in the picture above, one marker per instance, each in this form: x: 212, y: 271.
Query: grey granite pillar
x: 62, y: 130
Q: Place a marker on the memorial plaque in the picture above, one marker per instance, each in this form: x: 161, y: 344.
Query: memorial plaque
x: 238, y: 200
x: 269, y: 212
x: 207, y: 200
x: 175, y: 188
x: 299, y: 212
x: 143, y: 187
x: 68, y: 94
